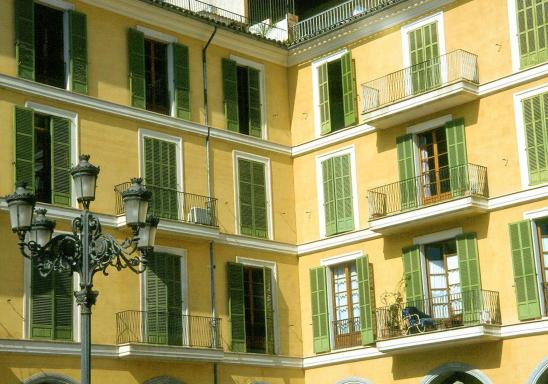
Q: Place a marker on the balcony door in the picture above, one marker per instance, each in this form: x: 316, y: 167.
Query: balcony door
x: 346, y: 305
x: 542, y: 233
x: 425, y: 58
x: 435, y: 182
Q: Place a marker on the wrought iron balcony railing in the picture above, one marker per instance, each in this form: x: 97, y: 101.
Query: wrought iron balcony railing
x: 347, y: 333
x: 429, y: 188
x: 439, y: 313
x: 454, y: 66
x: 168, y: 328
x: 171, y: 204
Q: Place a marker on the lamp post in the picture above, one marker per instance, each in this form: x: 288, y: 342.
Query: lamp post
x: 87, y: 249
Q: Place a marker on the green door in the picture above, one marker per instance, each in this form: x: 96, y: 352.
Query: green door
x: 338, y: 197
x: 412, y: 272
x: 236, y: 306
x: 320, y: 319
x: 252, y: 197
x: 470, y: 281
x: 364, y: 291
x: 406, y: 169
x: 425, y: 61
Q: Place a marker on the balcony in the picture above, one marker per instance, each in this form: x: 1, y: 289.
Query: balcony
x: 171, y: 204
x: 422, y: 89
x: 463, y: 317
x: 168, y: 329
x: 431, y: 197
x: 347, y: 333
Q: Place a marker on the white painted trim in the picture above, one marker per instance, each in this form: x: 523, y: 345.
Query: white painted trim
x: 319, y: 186
x: 156, y: 35
x: 74, y: 132
x: 266, y: 162
x: 443, y: 371
x: 59, y: 4
x: 537, y: 373
x: 262, y: 84
x: 346, y: 356
x: 337, y: 241
x: 255, y: 243
x: 430, y: 124
x: 520, y: 129
x: 536, y: 214
x: 437, y: 236
x: 538, y: 266
x: 341, y: 258
x: 513, y: 32
x: 262, y: 360
x: 273, y: 267
x: 315, y: 86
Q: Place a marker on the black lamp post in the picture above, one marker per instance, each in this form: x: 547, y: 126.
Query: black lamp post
x: 86, y: 250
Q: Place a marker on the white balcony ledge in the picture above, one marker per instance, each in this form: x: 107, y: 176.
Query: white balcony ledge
x: 167, y: 352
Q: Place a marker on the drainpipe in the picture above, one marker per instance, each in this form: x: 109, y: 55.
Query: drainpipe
x: 210, y: 194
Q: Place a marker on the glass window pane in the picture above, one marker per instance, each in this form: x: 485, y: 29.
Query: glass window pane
x: 454, y: 277
x: 452, y: 262
x: 438, y: 282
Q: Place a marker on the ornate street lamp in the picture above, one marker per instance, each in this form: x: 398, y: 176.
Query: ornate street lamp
x: 87, y: 249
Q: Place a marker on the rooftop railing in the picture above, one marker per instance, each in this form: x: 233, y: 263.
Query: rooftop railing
x: 431, y: 187
x: 438, y: 313
x: 420, y: 78
x: 168, y: 328
x: 167, y: 203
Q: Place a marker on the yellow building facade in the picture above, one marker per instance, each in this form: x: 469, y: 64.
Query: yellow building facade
x: 359, y: 198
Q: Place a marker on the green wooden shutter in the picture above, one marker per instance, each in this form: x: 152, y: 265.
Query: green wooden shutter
x: 78, y: 48
x: 254, y: 98
x: 60, y: 155
x: 470, y: 281
x: 172, y: 278
x: 535, y: 119
x: 456, y: 149
x: 137, y: 83
x: 525, y: 275
x: 268, y: 310
x: 323, y: 88
x: 24, y: 145
x: 181, y: 80
x: 252, y: 197
x: 320, y: 321
x: 406, y: 167
x: 532, y: 20
x: 24, y: 38
x: 343, y: 193
x: 329, y: 197
x: 259, y: 200
x: 42, y: 298
x: 236, y: 305
x: 412, y: 273
x: 348, y: 90
x: 424, y: 53
x: 364, y: 291
x: 230, y: 92
x: 63, y: 305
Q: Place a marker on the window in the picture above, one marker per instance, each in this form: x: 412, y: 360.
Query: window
x: 532, y: 31
x: 243, y: 97
x: 251, y: 305
x: 159, y: 76
x: 434, y: 165
x: 253, y: 195
x: 535, y: 122
x: 43, y: 154
x: 51, y: 44
x: 335, y: 92
x: 346, y: 305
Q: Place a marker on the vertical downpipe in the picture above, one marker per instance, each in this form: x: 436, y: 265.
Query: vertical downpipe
x: 215, y: 332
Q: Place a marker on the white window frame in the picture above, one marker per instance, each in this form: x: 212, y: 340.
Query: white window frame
x: 259, y: 67
x: 514, y: 38
x: 74, y: 150
x: 520, y: 132
x: 266, y: 162
x: 435, y: 18
x: 272, y: 265
x: 328, y: 263
x: 178, y: 141
x: 316, y: 86
x: 151, y: 34
x: 27, y: 298
x: 183, y: 258
x: 319, y: 186
x: 533, y: 217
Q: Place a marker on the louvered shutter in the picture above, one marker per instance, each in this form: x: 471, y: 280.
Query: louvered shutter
x: 42, y: 299
x: 532, y: 20
x: 525, y: 275
x: 63, y: 305
x: 230, y: 92
x: 78, y: 50
x: 323, y: 88
x: 259, y: 200
x: 268, y: 310
x: 24, y: 145
x: 254, y: 98
x: 24, y: 38
x: 424, y: 54
x: 156, y: 308
x: 172, y: 280
x: 343, y: 193
x: 535, y: 119
x: 456, y: 149
x: 348, y: 90
x: 406, y: 168
x: 412, y: 273
x: 329, y: 197
x: 364, y: 291
x: 181, y: 80
x: 252, y: 197
x: 236, y: 305
x: 320, y: 321
x: 470, y: 280
x: 137, y: 82
x: 60, y: 155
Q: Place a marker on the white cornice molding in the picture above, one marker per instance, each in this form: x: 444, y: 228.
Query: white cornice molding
x: 513, y: 80
x: 361, y: 353
x: 250, y: 242
x: 262, y: 360
x: 161, y: 352
x: 337, y: 241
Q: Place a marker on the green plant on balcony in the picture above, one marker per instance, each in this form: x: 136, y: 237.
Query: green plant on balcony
x: 391, y: 323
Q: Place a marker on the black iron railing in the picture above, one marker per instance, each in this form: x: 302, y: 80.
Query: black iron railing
x: 347, y: 333
x: 439, y: 313
x: 171, y: 204
x: 429, y: 188
x: 454, y: 66
x: 168, y: 328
